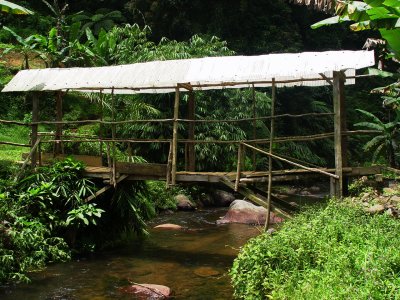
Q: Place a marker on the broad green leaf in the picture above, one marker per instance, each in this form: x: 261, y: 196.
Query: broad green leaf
x: 11, y: 8
x: 392, y: 3
x: 374, y: 3
x: 330, y: 21
x: 359, y: 26
x: 380, y: 73
x: 392, y: 36
x: 379, y: 13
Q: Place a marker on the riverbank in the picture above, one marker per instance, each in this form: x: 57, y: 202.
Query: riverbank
x: 346, y: 250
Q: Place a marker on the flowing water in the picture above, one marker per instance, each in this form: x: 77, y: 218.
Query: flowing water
x: 172, y: 258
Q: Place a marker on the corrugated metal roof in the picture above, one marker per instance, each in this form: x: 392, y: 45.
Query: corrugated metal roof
x: 201, y: 73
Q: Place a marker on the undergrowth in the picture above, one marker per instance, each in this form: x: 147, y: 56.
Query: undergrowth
x: 336, y: 252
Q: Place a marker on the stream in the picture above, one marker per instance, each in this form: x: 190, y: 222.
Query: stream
x: 176, y: 259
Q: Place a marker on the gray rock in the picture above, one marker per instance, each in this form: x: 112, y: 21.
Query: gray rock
x: 222, y: 198
x: 183, y: 203
x: 147, y: 291
x: 241, y: 211
x: 376, y: 209
x: 395, y: 198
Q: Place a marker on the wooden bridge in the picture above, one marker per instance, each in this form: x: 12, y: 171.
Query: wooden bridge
x: 332, y: 68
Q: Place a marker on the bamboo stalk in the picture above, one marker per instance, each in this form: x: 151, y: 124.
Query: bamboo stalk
x: 15, y: 144
x: 238, y: 166
x: 31, y: 156
x: 175, y: 136
x: 113, y: 133
x: 272, y: 132
x: 253, y: 93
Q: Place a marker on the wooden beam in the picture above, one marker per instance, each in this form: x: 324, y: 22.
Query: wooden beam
x: 338, y: 101
x: 191, y: 166
x: 104, y: 189
x: 293, y: 163
x: 326, y: 78
x: 175, y: 137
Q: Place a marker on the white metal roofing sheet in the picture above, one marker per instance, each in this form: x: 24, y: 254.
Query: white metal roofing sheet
x: 202, y: 73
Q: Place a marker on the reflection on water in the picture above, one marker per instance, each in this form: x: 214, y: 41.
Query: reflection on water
x: 172, y: 258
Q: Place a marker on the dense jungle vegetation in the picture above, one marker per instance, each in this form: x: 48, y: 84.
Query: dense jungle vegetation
x: 43, y: 215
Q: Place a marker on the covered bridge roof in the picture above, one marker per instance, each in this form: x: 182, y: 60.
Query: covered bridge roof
x: 298, y: 69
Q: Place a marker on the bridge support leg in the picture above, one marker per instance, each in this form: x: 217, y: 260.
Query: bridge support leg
x: 34, y: 130
x: 175, y: 137
x: 339, y: 126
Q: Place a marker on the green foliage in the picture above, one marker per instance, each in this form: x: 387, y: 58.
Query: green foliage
x: 85, y: 215
x: 380, y: 15
x: 387, y: 137
x: 336, y: 252
x: 35, y: 214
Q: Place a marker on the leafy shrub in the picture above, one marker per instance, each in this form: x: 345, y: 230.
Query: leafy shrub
x: 35, y: 215
x: 337, y: 252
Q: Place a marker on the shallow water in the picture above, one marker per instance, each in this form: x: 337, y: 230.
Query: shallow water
x: 169, y: 258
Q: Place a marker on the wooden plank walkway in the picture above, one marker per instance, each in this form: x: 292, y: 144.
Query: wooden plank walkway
x: 159, y: 172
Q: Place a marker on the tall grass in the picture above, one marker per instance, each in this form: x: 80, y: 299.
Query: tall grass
x: 15, y: 134
x: 337, y: 252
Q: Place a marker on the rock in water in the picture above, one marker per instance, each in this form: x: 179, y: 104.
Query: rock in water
x: 222, y: 198
x: 241, y: 211
x: 147, y: 291
x: 169, y: 227
x: 206, y: 272
x: 183, y: 203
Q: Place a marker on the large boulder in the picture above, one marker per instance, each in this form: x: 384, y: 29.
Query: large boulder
x: 183, y: 203
x: 147, y: 291
x: 241, y: 211
x: 222, y: 198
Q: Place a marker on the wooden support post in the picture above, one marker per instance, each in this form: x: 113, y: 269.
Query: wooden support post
x: 101, y: 135
x: 169, y: 167
x: 175, y: 137
x: 35, y: 118
x: 271, y: 141
x: 239, y: 166
x: 59, y: 115
x: 339, y: 123
x: 191, y: 155
x: 254, y: 127
x: 113, y: 132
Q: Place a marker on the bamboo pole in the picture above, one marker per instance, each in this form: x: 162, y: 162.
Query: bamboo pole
x: 191, y: 166
x: 113, y: 132
x: 59, y: 115
x: 238, y: 166
x: 258, y: 141
x: 169, y: 166
x: 338, y: 99
x: 30, y: 156
x: 34, y: 132
x: 292, y: 163
x: 101, y: 125
x: 272, y: 133
x: 175, y: 137
x: 253, y: 92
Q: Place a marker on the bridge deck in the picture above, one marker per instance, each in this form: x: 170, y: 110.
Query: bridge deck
x: 159, y: 172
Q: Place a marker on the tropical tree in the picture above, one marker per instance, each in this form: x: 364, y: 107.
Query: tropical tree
x: 25, y: 46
